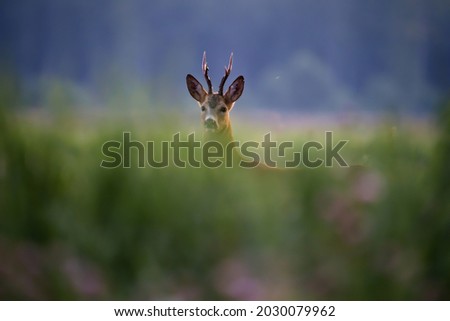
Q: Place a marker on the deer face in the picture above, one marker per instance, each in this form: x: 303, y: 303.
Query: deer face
x: 214, y: 114
x: 215, y: 107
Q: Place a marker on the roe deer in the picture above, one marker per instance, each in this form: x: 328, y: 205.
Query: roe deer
x: 215, y: 113
x: 216, y: 106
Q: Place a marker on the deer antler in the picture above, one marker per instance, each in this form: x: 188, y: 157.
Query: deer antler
x: 227, y: 73
x: 205, y: 73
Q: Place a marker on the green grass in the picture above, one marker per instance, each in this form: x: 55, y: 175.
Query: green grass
x: 73, y: 230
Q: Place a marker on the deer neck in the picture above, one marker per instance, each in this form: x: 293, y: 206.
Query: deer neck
x: 225, y: 136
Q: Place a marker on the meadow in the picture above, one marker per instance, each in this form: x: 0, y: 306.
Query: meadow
x: 71, y: 229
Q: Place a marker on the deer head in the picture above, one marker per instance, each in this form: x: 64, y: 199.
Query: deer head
x: 216, y: 106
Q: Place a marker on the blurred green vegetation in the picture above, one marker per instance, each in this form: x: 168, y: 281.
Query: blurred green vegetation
x: 70, y: 229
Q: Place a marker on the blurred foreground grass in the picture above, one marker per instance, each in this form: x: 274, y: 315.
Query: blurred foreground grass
x: 70, y: 229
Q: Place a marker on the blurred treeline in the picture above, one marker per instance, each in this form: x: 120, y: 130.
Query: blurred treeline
x: 73, y: 230
x: 308, y: 54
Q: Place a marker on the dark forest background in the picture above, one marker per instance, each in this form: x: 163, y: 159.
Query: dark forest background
x: 331, y: 55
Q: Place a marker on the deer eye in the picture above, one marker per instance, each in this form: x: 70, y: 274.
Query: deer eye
x: 223, y: 109
x: 203, y: 108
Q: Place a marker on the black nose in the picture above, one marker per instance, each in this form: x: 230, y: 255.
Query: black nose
x: 210, y: 123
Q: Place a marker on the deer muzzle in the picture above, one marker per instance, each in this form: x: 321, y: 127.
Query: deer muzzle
x: 210, y: 124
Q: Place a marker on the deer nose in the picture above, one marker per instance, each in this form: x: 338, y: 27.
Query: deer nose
x: 210, y: 123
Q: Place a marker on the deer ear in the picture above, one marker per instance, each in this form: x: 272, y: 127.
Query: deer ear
x: 195, y: 88
x: 235, y: 90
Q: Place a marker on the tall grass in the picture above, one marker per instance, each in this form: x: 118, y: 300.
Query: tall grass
x: 73, y: 230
